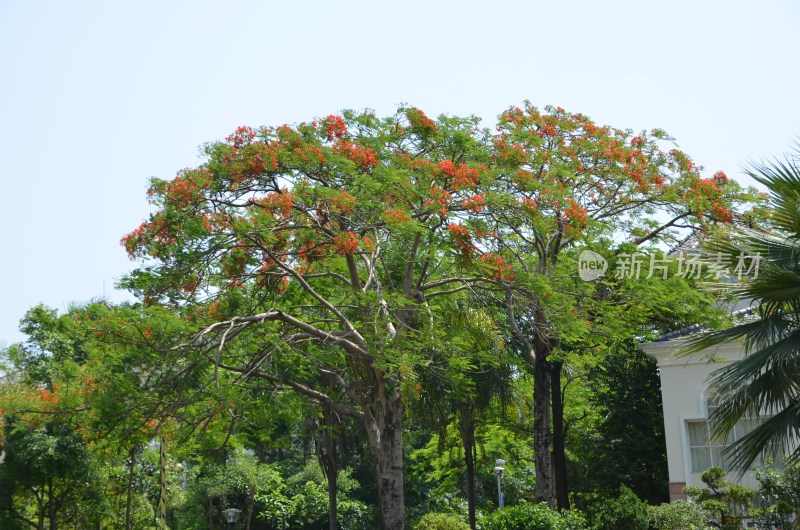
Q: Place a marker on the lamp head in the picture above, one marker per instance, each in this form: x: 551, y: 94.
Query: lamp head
x: 231, y: 514
x: 499, y: 467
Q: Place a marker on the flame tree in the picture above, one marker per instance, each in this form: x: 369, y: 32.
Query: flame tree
x: 313, y: 257
x: 321, y: 257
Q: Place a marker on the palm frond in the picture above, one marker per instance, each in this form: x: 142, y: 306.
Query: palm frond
x: 765, y: 383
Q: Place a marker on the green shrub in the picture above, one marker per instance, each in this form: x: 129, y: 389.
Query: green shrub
x: 626, y: 511
x: 532, y: 517
x: 441, y: 521
x: 680, y: 515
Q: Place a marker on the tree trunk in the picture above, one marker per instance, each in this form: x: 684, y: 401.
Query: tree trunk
x: 51, y: 506
x: 41, y: 510
x: 542, y: 440
x: 468, y: 439
x: 129, y: 494
x: 251, y: 493
x: 385, y: 430
x: 559, y: 455
x: 538, y: 345
x: 326, y: 453
x: 333, y: 521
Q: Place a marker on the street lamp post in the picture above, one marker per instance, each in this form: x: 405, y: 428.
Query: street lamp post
x: 231, y: 515
x: 499, y: 469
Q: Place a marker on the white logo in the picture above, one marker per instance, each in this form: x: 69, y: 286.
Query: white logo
x: 591, y: 265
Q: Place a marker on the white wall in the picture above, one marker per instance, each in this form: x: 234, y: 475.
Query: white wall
x: 683, y: 385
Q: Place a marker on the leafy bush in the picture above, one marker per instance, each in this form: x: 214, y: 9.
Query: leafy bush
x: 441, y: 521
x: 679, y: 515
x: 532, y: 517
x: 779, y: 489
x: 626, y: 511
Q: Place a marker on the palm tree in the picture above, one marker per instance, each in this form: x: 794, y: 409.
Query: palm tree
x: 766, y: 382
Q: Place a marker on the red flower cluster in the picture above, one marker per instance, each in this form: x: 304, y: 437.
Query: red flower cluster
x: 335, y: 126
x: 182, y: 191
x: 364, y: 157
x: 530, y: 205
x: 474, y: 204
x: 277, y: 203
x: 345, y: 243
x: 463, y: 176
x: 462, y: 240
x: 548, y: 130
x: 134, y: 239
x: 310, y: 252
x: 45, y: 396
x: 721, y: 213
x: 343, y: 203
x: 420, y: 121
x: 397, y: 216
x: 439, y: 201
x: 495, y: 267
x: 241, y: 136
x: 576, y: 217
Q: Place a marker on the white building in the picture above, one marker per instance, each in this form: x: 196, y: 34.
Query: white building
x: 687, y: 405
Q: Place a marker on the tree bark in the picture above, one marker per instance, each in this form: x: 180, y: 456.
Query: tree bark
x: 251, y: 493
x: 129, y: 493
x: 51, y: 506
x: 468, y: 440
x: 385, y: 430
x: 326, y: 453
x: 542, y: 384
x: 538, y: 348
x: 542, y: 439
x: 559, y: 454
x: 41, y: 510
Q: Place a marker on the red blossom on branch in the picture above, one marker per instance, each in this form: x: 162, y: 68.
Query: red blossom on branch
x: 343, y: 203
x: 364, y: 157
x: 495, y: 267
x: 345, y: 243
x: 462, y: 240
x: 475, y: 204
x: 440, y: 199
x: 420, y: 121
x: 335, y: 126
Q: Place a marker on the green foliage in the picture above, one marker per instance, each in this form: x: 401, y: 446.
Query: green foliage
x: 441, y: 521
x: 779, y: 489
x: 301, y: 502
x: 47, y: 469
x: 532, y: 517
x: 622, y: 440
x: 680, y: 515
x: 441, y: 461
x: 626, y: 511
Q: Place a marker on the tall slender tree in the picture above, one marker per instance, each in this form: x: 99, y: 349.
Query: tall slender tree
x: 569, y: 182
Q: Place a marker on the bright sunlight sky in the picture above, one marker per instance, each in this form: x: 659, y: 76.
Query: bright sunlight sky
x: 98, y: 96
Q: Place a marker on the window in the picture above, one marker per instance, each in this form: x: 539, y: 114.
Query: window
x: 705, y: 452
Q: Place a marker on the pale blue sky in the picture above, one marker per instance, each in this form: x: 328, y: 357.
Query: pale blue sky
x: 95, y: 97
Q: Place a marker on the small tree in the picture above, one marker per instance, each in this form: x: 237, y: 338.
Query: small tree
x: 729, y: 503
